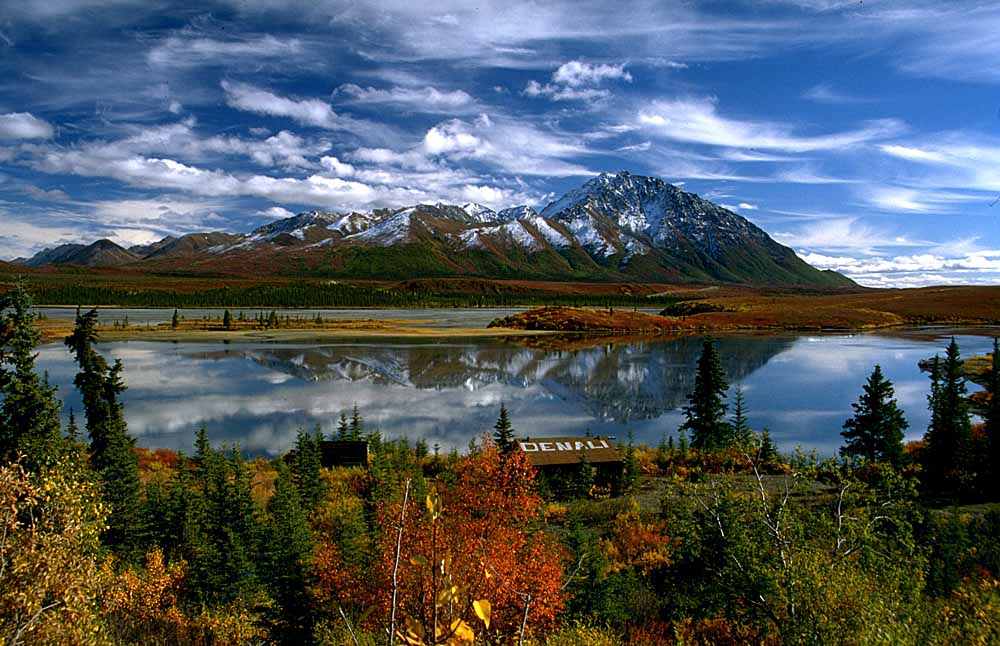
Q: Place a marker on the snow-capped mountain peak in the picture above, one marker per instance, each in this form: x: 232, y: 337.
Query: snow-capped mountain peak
x: 479, y: 212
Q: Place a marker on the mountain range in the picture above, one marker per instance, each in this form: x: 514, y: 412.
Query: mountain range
x: 614, y: 227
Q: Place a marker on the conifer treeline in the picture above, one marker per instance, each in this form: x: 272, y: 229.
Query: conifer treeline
x: 310, y: 295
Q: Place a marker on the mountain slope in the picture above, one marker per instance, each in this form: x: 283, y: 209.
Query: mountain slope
x: 103, y: 253
x: 613, y: 227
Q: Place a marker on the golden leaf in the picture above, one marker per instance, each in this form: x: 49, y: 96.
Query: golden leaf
x: 483, y: 610
x: 463, y: 632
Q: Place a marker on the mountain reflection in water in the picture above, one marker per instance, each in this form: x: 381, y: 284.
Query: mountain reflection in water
x: 449, y: 392
x: 617, y: 383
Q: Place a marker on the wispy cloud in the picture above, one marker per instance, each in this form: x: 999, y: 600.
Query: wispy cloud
x: 188, y: 50
x: 309, y: 112
x: 844, y: 234
x: 426, y: 99
x: 826, y: 93
x: 955, y: 160
x: 306, y: 111
x: 927, y: 200
x: 699, y: 121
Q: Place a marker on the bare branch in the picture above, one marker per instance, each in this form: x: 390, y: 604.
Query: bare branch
x: 524, y: 620
x: 395, y: 566
x: 579, y: 564
x: 350, y: 629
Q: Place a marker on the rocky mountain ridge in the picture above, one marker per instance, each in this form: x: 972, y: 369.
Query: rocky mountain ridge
x: 613, y: 227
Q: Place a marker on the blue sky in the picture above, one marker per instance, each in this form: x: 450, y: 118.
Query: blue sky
x: 865, y: 135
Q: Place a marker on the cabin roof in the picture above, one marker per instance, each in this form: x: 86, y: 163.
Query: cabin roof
x: 546, y: 451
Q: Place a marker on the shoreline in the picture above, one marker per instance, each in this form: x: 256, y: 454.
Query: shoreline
x: 555, y: 338
x: 304, y: 335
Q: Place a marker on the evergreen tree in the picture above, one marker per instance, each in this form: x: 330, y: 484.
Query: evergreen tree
x: 343, y: 430
x: 767, y: 452
x: 357, y: 425
x: 991, y: 417
x: 202, y: 447
x: 742, y: 434
x: 630, y: 468
x: 705, y: 411
x: 175, y: 320
x: 504, y: 436
x: 948, y: 436
x: 29, y: 413
x: 306, y: 469
x: 286, y: 548
x: 208, y: 518
x: 663, y: 452
x: 227, y: 320
x: 682, y: 444
x: 111, y: 447
x: 72, y: 429
x: 875, y: 433
x: 586, y: 475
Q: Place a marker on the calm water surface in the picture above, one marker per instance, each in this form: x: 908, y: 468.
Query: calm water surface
x: 799, y: 386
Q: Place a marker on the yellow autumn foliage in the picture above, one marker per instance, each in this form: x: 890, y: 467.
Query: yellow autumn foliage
x: 50, y: 524
x: 141, y: 607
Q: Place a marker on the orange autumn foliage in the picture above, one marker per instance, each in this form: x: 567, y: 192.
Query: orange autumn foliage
x: 486, y: 538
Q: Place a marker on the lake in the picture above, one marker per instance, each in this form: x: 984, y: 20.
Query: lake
x: 800, y: 386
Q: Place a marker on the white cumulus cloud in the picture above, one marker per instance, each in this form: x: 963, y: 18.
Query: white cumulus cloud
x: 24, y: 125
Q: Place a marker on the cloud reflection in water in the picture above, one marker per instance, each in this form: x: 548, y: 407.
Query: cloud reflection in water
x: 260, y: 395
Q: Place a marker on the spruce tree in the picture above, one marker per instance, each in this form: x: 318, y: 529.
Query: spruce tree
x: 991, y: 417
x: 286, y: 548
x: 875, y: 432
x: 72, y: 429
x: 586, y: 476
x: 503, y: 434
x: 948, y: 436
x: 343, y: 430
x: 29, y: 414
x: 768, y: 452
x: 705, y: 411
x: 421, y: 450
x: 111, y: 447
x: 306, y: 469
x: 742, y: 434
x: 175, y: 320
x: 357, y: 425
x: 664, y: 451
x: 227, y: 320
x: 630, y: 468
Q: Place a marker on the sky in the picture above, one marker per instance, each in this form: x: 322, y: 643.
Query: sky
x: 864, y: 135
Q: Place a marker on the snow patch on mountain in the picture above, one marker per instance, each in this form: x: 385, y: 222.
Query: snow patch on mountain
x: 589, y: 237
x: 513, y: 232
x: 480, y: 213
x: 552, y: 235
x: 393, y: 229
x: 516, y: 213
